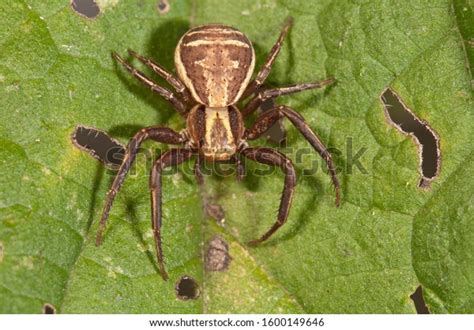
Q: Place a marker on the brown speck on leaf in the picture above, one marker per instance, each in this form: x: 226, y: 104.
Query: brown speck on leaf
x: 217, y: 255
x: 214, y: 211
x: 187, y: 288
x: 419, y: 301
x: 86, y: 8
x: 49, y: 309
x: 163, y: 6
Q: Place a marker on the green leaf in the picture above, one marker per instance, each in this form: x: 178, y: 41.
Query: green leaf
x: 367, y: 256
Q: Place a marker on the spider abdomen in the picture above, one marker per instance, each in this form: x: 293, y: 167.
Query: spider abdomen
x: 216, y: 63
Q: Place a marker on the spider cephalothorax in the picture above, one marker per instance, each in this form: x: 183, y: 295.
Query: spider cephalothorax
x: 215, y: 65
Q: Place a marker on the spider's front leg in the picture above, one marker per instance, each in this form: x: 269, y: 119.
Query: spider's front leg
x: 272, y: 157
x: 266, y: 120
x: 159, y: 134
x: 164, y: 92
x: 162, y: 72
x: 172, y: 157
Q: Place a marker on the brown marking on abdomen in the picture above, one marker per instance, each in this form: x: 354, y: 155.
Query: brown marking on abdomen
x: 216, y: 63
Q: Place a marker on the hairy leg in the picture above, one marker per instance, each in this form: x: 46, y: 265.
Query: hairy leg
x: 240, y: 169
x: 272, y: 157
x: 267, y: 119
x: 267, y: 66
x: 159, y: 134
x: 264, y: 95
x: 167, y: 94
x: 172, y: 157
x: 174, y: 81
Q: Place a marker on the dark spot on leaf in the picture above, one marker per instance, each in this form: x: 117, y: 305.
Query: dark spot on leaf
x: 214, y: 210
x: 425, y: 137
x: 49, y: 309
x: 217, y: 255
x: 86, y: 8
x: 99, y: 145
x: 419, y: 301
x: 187, y: 288
x: 163, y: 6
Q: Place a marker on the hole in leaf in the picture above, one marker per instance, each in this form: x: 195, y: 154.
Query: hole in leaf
x: 419, y: 301
x: 163, y: 6
x: 86, y: 8
x: 187, y: 288
x: 99, y: 145
x: 217, y: 255
x: 49, y: 309
x: 425, y: 137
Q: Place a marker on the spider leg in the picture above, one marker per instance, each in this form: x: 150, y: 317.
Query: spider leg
x: 272, y: 157
x: 198, y: 169
x: 167, y: 94
x: 172, y: 157
x: 175, y: 82
x: 159, y: 134
x: 240, y: 167
x: 264, y: 95
x: 271, y: 57
x: 267, y: 119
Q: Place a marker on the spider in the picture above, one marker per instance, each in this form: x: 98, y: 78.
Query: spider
x: 214, y: 66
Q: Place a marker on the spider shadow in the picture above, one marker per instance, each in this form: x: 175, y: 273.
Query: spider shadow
x: 98, y: 177
x: 124, y: 131
x: 163, y: 41
x: 300, y: 221
x: 132, y: 216
x: 306, y: 212
x: 100, y: 172
x: 130, y: 207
